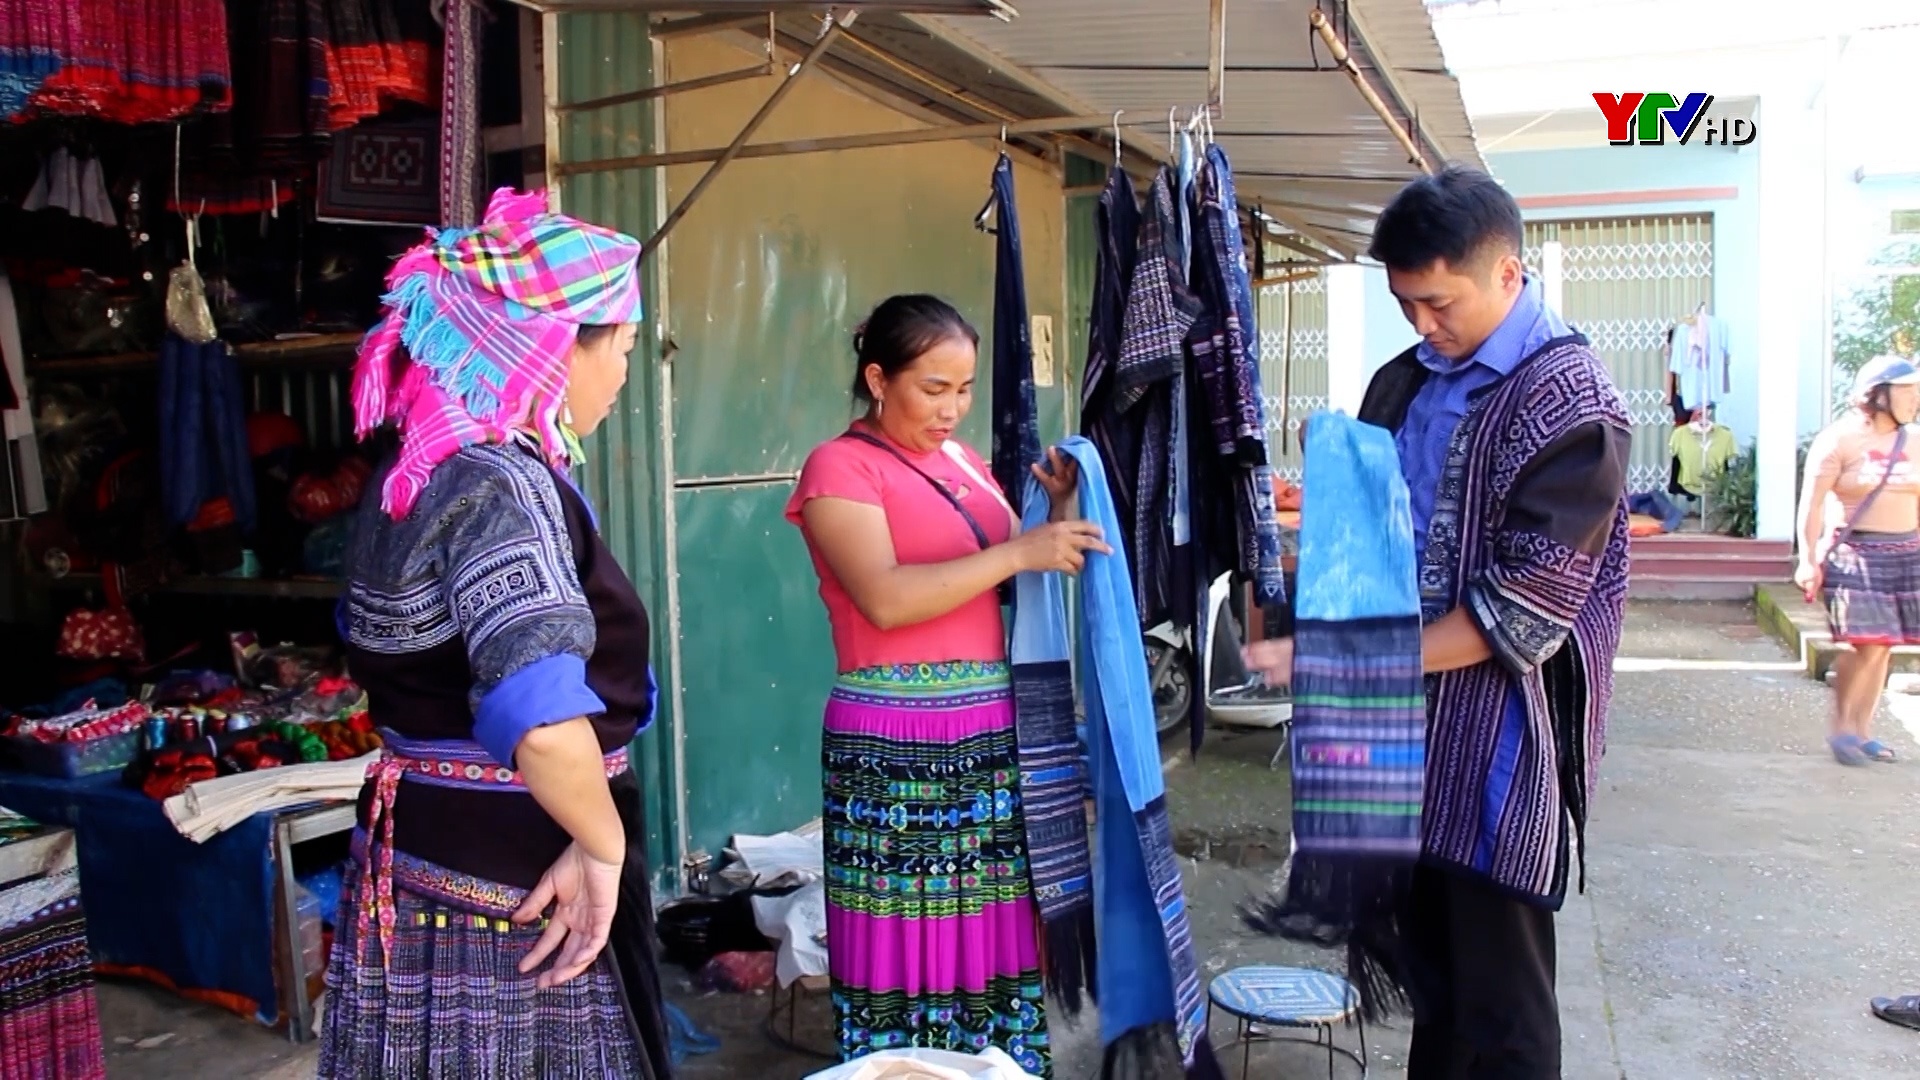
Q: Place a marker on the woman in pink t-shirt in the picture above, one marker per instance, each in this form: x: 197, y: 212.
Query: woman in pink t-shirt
x: 1865, y: 560
x: 932, y: 932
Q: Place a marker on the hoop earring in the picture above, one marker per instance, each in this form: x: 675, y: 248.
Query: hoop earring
x: 879, y: 407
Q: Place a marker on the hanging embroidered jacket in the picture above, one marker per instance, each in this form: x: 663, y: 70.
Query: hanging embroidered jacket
x: 1529, y: 536
x: 1148, y: 977
x: 1159, y: 313
x: 1235, y: 480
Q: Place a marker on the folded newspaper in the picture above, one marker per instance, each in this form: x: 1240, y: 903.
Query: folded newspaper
x: 211, y: 807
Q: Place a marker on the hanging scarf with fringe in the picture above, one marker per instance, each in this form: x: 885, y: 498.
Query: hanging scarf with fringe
x: 488, y: 317
x: 1359, y: 708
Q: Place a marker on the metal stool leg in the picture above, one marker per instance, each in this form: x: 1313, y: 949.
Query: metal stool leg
x: 1246, y: 1049
x: 1329, y: 1030
x: 1365, y: 1058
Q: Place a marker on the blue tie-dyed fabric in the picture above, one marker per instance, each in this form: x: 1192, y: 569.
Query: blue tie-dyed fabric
x: 1356, y: 526
x: 1359, y: 706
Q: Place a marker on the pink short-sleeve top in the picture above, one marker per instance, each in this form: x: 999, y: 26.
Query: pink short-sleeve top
x: 926, y: 528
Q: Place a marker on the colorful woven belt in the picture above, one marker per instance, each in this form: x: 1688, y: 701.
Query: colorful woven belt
x: 454, y: 763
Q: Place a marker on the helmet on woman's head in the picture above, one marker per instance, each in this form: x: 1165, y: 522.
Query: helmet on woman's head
x: 1883, y: 371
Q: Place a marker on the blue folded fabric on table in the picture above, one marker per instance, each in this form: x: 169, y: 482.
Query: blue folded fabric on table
x: 199, y: 915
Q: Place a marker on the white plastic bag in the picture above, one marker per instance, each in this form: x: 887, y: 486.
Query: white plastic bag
x: 991, y: 1064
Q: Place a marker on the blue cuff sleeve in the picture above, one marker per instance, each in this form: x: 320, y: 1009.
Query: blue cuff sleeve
x: 653, y: 703
x: 547, y: 691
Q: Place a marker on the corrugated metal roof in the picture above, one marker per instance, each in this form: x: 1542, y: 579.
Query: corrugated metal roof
x: 1297, y: 130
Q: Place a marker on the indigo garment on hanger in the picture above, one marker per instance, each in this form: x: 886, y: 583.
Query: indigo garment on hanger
x: 203, y: 431
x: 1359, y: 707
x: 1016, y: 427
x: 1148, y: 977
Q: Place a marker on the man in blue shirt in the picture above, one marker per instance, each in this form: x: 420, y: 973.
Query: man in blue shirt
x: 1514, y: 445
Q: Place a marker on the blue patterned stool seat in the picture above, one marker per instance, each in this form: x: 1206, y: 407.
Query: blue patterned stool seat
x: 1285, y: 996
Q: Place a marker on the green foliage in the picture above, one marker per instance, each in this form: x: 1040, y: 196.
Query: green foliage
x: 1733, y: 494
x: 1883, y: 317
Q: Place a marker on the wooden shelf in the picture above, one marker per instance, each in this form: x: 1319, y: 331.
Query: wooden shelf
x: 320, y: 350
x: 303, y: 588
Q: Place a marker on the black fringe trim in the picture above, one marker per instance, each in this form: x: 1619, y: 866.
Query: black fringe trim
x: 1068, y: 962
x: 1345, y: 901
x: 1153, y: 1053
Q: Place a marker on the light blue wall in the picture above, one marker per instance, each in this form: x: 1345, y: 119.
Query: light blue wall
x: 1738, y: 257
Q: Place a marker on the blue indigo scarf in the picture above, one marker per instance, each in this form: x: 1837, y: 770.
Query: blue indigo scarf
x: 1053, y: 777
x: 1152, y: 1006
x: 1359, y: 707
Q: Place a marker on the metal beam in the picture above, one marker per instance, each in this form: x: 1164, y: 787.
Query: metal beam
x: 669, y: 29
x: 829, y: 32
x: 1344, y: 60
x: 1357, y: 32
x: 1295, y: 244
x: 1033, y: 84
x: 791, y: 147
x: 758, y: 71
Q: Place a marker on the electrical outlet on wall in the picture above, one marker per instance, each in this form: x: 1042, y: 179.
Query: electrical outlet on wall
x: 1042, y: 337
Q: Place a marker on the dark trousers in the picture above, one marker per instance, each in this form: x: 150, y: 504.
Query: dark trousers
x: 1480, y: 970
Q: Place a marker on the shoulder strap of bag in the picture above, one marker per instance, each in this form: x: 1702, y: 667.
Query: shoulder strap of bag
x: 1893, y: 459
x: 979, y: 534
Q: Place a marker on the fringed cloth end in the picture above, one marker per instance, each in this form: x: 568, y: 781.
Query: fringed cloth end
x: 1343, y: 900
x: 1152, y: 1052
x: 1067, y: 950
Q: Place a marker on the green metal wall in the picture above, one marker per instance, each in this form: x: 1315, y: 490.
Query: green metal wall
x: 598, y: 55
x: 766, y: 278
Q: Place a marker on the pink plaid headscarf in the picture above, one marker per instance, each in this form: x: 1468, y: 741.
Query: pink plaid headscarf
x: 488, y: 317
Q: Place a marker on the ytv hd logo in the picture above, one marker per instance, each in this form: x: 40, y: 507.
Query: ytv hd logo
x: 1645, y: 120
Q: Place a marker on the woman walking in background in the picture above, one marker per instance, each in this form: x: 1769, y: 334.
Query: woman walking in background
x: 932, y: 930
x: 497, y: 919
x: 1865, y: 560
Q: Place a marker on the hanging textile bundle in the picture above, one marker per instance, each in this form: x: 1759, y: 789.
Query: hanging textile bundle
x: 1359, y: 709
x: 1016, y: 428
x: 118, y: 60
x: 1053, y: 776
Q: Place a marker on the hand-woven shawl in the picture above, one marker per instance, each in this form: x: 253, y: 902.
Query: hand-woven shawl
x: 1359, y: 707
x: 1053, y: 778
x: 1152, y: 1006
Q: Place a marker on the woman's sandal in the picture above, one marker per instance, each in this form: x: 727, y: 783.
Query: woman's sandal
x: 1878, y: 751
x: 1904, y: 1011
x: 1847, y: 750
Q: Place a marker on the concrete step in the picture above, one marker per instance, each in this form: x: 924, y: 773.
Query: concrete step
x: 1802, y: 628
x: 1668, y: 587
x: 1696, y: 543
x: 1713, y: 567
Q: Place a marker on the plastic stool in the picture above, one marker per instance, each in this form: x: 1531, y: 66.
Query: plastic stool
x: 1287, y: 997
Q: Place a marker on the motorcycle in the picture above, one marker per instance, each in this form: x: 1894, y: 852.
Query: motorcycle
x: 1234, y: 697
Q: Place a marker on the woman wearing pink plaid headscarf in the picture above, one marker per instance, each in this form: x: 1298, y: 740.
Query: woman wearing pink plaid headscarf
x: 498, y: 920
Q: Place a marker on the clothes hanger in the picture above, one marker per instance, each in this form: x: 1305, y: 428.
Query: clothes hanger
x: 1116, y: 137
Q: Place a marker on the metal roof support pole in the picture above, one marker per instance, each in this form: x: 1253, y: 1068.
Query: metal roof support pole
x: 791, y: 147
x: 758, y: 71
x: 1216, y: 55
x: 834, y: 25
x: 1344, y: 59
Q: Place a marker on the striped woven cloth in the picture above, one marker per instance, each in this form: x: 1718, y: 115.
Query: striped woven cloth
x: 1359, y: 706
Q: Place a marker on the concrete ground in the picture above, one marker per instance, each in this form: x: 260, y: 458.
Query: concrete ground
x: 1745, y: 894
